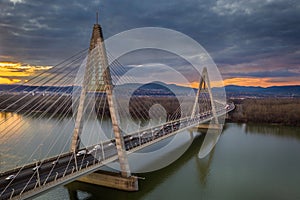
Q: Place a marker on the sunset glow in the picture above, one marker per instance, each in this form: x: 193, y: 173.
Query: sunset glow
x: 16, y: 72
x: 259, y: 82
x: 244, y: 81
x: 195, y: 84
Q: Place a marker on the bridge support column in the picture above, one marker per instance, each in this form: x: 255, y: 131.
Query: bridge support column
x: 111, y: 180
x: 124, y: 165
x: 209, y: 126
x: 204, y: 86
x: 97, y: 77
x: 75, y: 143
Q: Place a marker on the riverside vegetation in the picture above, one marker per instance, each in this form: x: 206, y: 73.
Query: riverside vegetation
x: 284, y: 111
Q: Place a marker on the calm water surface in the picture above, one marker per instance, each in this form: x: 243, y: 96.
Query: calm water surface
x: 250, y: 161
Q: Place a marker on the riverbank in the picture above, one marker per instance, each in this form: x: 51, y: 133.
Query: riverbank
x: 283, y: 111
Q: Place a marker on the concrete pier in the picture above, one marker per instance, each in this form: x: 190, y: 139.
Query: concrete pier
x: 112, y: 180
x: 210, y: 126
x: 204, y: 127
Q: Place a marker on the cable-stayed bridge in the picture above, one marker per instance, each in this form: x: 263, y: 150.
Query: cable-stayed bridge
x: 49, y: 95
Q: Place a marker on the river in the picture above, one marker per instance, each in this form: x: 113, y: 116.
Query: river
x: 250, y: 161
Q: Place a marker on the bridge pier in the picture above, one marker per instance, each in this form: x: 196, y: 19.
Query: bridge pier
x: 209, y: 126
x: 111, y: 180
x: 204, y: 127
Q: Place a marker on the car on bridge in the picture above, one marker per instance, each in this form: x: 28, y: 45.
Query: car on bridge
x: 128, y: 138
x: 82, y: 152
x: 96, y: 147
x: 36, y: 168
x: 10, y: 177
x: 54, y: 162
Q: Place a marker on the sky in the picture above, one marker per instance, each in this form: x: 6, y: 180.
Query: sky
x: 253, y: 42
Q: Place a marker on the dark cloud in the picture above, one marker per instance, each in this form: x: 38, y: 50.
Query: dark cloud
x: 238, y: 34
x: 140, y: 64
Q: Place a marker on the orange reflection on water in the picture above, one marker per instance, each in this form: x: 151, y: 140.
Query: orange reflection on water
x: 11, y: 126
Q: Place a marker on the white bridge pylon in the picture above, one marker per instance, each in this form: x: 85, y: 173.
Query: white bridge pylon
x: 97, y: 77
x: 204, y: 87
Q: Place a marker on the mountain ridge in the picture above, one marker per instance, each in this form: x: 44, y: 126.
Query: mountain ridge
x: 157, y: 88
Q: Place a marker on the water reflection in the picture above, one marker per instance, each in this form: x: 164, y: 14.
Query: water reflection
x: 10, y: 125
x: 275, y: 130
x: 200, y: 174
x: 203, y: 166
x: 236, y: 161
x: 24, y: 138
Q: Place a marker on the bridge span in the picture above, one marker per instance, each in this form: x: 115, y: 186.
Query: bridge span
x: 34, y: 178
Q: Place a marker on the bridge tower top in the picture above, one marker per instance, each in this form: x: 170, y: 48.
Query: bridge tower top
x: 96, y: 36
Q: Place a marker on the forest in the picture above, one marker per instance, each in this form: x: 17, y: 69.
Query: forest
x: 285, y: 111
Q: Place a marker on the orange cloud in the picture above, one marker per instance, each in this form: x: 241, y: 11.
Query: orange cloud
x: 16, y: 72
x: 9, y: 81
x: 195, y: 84
x: 244, y: 81
x: 262, y: 82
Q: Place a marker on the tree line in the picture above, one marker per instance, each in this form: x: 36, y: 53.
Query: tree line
x: 285, y: 111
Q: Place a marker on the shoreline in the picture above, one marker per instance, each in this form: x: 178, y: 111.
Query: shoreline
x: 273, y: 110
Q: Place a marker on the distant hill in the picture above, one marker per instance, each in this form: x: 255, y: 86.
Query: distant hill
x: 37, y: 89
x: 274, y: 91
x: 163, y: 89
x: 157, y: 89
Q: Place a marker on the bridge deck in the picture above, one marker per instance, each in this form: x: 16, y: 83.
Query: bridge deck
x: 34, y: 178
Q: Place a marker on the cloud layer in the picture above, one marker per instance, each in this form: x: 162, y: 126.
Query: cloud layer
x: 11, y: 72
x: 246, y: 38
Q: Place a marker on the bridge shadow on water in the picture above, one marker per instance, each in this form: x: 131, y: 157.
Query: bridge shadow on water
x: 152, y: 179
